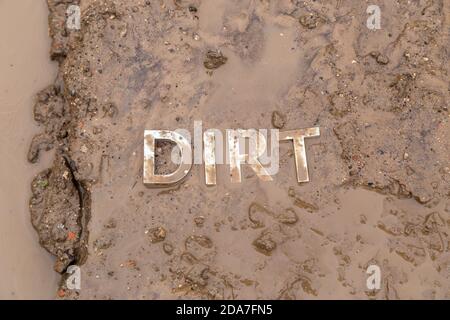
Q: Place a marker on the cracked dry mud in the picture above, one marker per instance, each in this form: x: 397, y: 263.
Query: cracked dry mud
x: 380, y: 171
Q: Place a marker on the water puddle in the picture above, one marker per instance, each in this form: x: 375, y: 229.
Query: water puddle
x: 25, y: 268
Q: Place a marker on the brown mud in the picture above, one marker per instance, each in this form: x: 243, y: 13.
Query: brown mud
x: 380, y: 171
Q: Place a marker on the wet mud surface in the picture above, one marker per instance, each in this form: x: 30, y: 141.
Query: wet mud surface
x: 380, y: 171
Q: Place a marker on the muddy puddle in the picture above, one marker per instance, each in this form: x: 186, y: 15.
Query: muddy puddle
x: 379, y: 172
x: 25, y: 69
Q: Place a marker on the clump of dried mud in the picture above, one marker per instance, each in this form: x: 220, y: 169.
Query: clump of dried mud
x: 381, y: 100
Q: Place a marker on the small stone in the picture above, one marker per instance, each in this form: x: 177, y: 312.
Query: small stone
x: 382, y: 59
x: 132, y: 264
x: 199, y: 221
x: 278, y: 120
x: 66, y: 175
x: 265, y: 244
x: 291, y: 192
x: 202, y: 241
x: 310, y: 21
x: 97, y: 130
x: 60, y: 266
x: 59, y: 233
x: 379, y: 57
x: 110, y: 109
x: 146, y: 104
x: 157, y: 234
x: 214, y: 59
x: 288, y: 217
x: 111, y: 224
x: 42, y: 184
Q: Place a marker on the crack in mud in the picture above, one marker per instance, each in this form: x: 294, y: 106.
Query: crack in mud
x: 84, y: 200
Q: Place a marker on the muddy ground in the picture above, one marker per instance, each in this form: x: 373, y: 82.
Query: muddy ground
x: 380, y: 171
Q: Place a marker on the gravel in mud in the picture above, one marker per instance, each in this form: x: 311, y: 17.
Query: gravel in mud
x: 380, y: 99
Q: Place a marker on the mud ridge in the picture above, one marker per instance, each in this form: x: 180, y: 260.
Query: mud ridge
x: 60, y: 203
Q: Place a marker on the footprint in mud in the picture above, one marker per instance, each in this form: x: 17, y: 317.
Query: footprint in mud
x: 418, y: 238
x: 291, y: 290
x: 276, y: 233
x: 105, y: 241
x: 107, y: 238
x: 300, y: 203
x: 202, y: 280
x: 196, y: 272
x: 257, y: 214
x: 256, y: 210
x: 198, y: 249
x: 197, y: 276
x: 201, y: 247
x: 271, y: 238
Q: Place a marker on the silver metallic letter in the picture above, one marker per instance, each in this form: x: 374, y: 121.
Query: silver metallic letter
x: 209, y: 139
x: 257, y: 145
x: 150, y: 137
x: 298, y: 138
